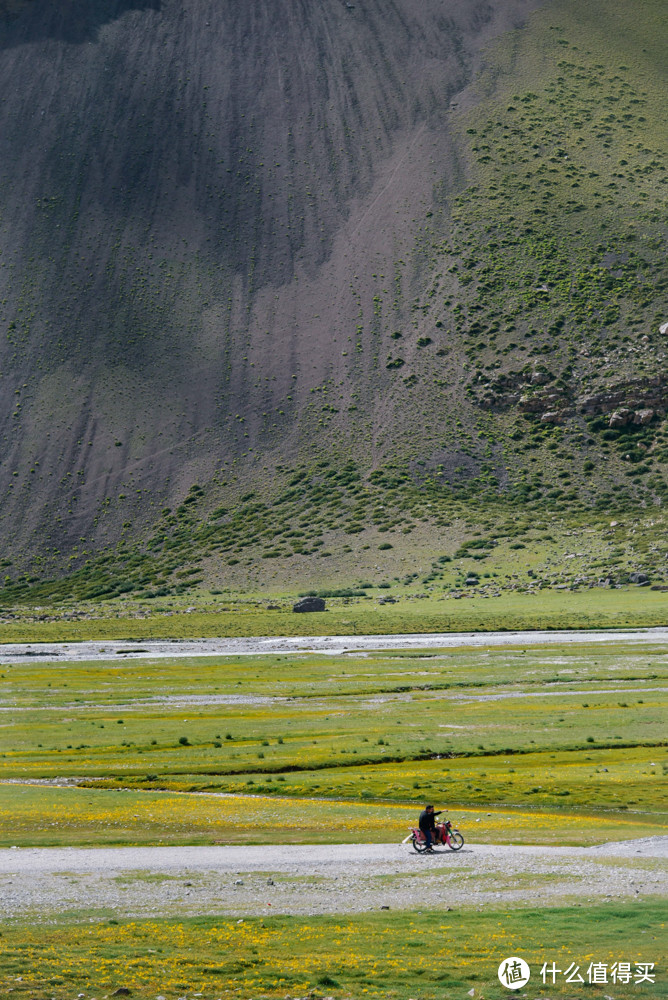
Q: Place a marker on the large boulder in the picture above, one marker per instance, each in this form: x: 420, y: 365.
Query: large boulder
x: 540, y: 378
x: 621, y: 417
x: 309, y: 604
x: 640, y: 578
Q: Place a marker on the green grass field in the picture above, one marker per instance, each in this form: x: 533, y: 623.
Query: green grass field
x: 431, y: 955
x: 415, y: 611
x: 572, y: 735
x: 34, y: 816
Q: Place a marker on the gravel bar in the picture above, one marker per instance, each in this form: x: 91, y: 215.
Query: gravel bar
x: 69, y: 652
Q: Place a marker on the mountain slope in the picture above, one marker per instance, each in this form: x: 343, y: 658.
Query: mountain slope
x: 167, y: 171
x: 238, y: 241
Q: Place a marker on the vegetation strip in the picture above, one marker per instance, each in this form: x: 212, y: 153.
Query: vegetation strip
x: 375, y: 954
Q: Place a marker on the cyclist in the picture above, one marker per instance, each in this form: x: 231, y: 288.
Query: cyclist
x: 428, y: 825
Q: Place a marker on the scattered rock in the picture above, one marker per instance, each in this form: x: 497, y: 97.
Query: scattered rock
x: 633, y: 394
x: 542, y: 400
x: 238, y: 881
x: 309, y: 604
x: 530, y: 403
x: 621, y: 417
x: 540, y: 378
x: 384, y: 907
x: 663, y: 328
x: 643, y: 417
x: 471, y: 581
x: 122, y: 991
x: 270, y: 881
x: 552, y: 417
x: 638, y: 578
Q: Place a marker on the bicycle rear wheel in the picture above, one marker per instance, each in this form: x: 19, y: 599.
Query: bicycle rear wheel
x: 419, y: 845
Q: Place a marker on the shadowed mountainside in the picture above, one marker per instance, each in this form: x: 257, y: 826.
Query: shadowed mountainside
x: 239, y: 239
x: 72, y: 21
x: 163, y: 185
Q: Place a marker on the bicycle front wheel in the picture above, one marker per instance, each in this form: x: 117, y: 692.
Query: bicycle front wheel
x: 456, y: 840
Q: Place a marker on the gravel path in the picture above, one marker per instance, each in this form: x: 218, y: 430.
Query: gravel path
x: 334, y: 878
x: 77, y: 651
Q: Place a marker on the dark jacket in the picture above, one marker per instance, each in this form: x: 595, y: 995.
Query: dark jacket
x: 428, y: 820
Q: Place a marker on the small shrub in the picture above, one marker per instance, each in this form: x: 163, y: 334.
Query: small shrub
x: 327, y: 981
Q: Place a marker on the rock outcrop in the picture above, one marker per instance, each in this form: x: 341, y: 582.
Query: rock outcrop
x: 309, y: 604
x: 633, y: 401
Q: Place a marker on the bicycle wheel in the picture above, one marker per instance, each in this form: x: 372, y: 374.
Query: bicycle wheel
x: 456, y: 840
x: 419, y: 845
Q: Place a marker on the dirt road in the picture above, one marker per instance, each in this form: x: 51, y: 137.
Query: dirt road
x: 313, y: 879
